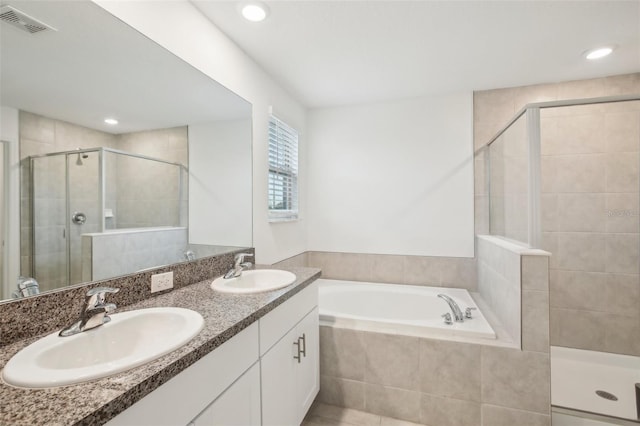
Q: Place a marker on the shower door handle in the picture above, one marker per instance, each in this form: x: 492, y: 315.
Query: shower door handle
x: 79, y: 218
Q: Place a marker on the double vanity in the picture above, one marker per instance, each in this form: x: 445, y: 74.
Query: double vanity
x: 191, y: 356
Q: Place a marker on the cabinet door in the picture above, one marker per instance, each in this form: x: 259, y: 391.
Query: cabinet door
x: 237, y: 406
x: 307, y: 371
x: 279, y: 406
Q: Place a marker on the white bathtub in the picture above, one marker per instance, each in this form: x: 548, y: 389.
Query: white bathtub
x: 398, y: 309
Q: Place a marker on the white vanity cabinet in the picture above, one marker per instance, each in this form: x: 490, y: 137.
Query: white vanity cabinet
x: 213, y: 382
x: 267, y: 374
x: 289, y: 347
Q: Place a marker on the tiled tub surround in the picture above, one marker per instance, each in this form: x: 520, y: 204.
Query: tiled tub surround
x: 98, y: 401
x: 455, y: 272
x: 448, y: 383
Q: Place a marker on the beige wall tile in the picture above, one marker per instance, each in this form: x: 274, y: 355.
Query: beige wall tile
x: 537, y: 93
x: 341, y: 392
x: 573, y: 134
x: 392, y: 360
x: 579, y: 173
x: 387, y: 269
x: 581, y: 89
x: 622, y: 213
x: 535, y: 273
x: 342, y: 353
x: 579, y: 329
x: 535, y: 321
x: 435, y: 410
x: 622, y: 334
x: 443, y: 364
x: 622, y: 131
x: 623, y: 253
x: 626, y: 84
x: 459, y: 272
x: 392, y: 402
x: 582, y: 212
x: 493, y: 415
x: 516, y: 379
x: 581, y: 251
x: 493, y: 106
x: 36, y: 127
x: 422, y: 270
x: 622, y: 172
x: 578, y: 290
x: 622, y: 294
x: 342, y: 266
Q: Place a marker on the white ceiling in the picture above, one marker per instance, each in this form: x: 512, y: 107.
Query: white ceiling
x: 330, y: 53
x: 95, y: 66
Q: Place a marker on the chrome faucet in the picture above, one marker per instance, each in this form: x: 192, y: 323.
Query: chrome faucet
x: 239, y: 266
x: 457, y: 313
x: 95, y: 312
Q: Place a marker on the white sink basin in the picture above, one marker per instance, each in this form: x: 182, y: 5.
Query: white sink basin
x: 129, y: 340
x: 254, y: 281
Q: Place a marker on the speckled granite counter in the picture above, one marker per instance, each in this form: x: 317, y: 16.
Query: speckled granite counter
x: 96, y: 402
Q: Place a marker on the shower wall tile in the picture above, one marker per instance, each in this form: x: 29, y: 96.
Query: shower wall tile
x: 622, y: 294
x: 581, y: 251
x: 622, y: 172
x: 620, y: 332
x: 581, y: 329
x: 621, y: 132
x: 581, y: 212
x: 622, y: 213
x: 623, y: 253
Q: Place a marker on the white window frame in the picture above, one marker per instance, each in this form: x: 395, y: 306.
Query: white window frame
x: 283, y: 166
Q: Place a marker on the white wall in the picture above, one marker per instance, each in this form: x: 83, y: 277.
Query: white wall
x: 220, y: 183
x: 180, y: 28
x: 392, y: 178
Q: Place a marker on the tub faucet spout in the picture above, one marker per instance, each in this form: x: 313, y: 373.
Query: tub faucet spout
x: 457, y: 313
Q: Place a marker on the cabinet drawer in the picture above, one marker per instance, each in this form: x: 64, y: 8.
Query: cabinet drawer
x: 278, y: 322
x: 183, y: 397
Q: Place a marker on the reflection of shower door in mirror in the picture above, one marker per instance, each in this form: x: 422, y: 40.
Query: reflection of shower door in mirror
x: 48, y: 215
x: 83, y: 209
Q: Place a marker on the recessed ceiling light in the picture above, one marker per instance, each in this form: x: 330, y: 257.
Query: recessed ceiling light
x: 111, y: 121
x: 599, y: 52
x: 255, y: 11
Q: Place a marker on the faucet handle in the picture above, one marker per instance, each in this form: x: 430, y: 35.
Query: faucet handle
x: 239, y: 257
x: 96, y: 295
x: 467, y: 312
x: 447, y: 318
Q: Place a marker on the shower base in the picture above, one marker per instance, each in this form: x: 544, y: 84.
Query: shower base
x: 595, y: 382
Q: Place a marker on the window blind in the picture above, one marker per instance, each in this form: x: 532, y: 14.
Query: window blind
x: 283, y: 171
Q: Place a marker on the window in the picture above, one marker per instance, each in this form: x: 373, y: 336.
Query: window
x: 283, y: 171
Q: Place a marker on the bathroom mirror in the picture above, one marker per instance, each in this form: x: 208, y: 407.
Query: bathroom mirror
x: 99, y: 199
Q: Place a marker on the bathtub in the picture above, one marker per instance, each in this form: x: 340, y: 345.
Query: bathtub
x: 398, y: 309
x: 577, y: 374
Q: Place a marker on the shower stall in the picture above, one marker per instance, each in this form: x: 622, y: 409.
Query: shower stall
x: 89, y: 192
x: 565, y: 177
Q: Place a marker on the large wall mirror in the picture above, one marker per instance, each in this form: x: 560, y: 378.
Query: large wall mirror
x: 169, y: 182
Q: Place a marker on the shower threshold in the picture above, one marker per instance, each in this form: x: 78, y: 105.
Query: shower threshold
x: 595, y: 382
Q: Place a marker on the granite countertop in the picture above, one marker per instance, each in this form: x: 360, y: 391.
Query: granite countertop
x: 98, y: 401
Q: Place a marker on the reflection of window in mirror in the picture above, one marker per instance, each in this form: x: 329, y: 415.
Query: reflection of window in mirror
x: 283, y: 171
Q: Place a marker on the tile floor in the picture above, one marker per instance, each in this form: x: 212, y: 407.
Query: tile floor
x: 331, y: 415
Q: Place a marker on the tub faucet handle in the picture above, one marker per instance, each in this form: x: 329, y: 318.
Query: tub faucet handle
x: 447, y: 318
x: 467, y: 312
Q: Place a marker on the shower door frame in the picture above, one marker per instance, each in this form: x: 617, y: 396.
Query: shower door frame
x: 532, y: 116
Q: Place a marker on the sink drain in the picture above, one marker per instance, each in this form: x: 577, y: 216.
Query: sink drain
x: 606, y: 395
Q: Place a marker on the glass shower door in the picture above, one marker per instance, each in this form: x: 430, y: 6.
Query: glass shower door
x: 48, y: 213
x: 83, y: 212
